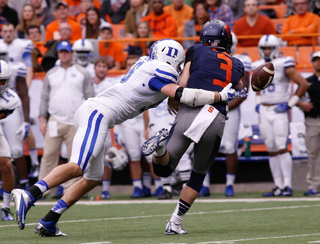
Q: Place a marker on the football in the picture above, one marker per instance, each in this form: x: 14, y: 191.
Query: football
x: 262, y: 77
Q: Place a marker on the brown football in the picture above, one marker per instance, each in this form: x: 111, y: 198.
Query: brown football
x: 262, y: 76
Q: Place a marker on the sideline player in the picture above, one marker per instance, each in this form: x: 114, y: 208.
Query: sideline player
x: 146, y: 85
x: 16, y: 127
x: 208, y: 66
x: 9, y: 101
x: 273, y: 105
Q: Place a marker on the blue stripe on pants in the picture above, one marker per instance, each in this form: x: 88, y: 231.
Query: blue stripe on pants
x: 93, y: 141
x: 83, y: 146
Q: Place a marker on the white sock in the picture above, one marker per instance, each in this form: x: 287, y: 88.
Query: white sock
x: 286, y: 168
x: 206, y: 181
x: 137, y: 183
x: 157, y: 183
x: 105, y: 185
x: 274, y: 163
x: 230, y: 179
x: 6, y: 199
x: 147, y: 179
x: 34, y: 157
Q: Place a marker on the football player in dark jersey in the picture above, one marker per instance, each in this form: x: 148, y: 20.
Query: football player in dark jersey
x: 208, y: 66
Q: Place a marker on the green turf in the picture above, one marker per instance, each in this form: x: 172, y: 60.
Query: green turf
x: 215, y: 222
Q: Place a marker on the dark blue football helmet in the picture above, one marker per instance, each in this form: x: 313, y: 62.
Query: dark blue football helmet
x: 216, y: 33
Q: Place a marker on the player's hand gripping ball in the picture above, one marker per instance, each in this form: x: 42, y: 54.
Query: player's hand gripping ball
x: 262, y: 76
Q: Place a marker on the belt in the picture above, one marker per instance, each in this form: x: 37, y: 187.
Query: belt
x: 267, y: 104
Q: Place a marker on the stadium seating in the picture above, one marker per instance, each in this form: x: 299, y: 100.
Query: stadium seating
x: 280, y: 9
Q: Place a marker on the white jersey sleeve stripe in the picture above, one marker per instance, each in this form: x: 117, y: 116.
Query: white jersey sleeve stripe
x: 165, y: 76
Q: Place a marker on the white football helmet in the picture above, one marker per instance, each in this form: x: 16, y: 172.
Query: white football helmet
x: 4, y: 52
x: 83, y: 51
x: 270, y: 41
x: 4, y: 76
x: 168, y: 51
x: 234, y: 43
x: 118, y: 158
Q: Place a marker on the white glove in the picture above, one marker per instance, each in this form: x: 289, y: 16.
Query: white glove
x: 227, y: 94
x: 241, y: 93
x: 24, y: 130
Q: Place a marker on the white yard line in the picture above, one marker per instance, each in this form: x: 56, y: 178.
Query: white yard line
x: 147, y: 201
x: 258, y: 238
x: 165, y: 215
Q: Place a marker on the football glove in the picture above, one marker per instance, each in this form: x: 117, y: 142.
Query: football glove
x: 227, y: 94
x: 241, y: 93
x: 281, y: 108
x: 24, y: 130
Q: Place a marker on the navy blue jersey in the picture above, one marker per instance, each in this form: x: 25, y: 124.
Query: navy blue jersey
x: 212, y: 70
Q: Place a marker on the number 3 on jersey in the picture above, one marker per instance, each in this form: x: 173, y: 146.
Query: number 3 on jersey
x: 227, y: 67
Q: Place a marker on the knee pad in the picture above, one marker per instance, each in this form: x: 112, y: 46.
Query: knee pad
x: 196, y: 180
x: 162, y: 171
x: 16, y: 152
x: 229, y: 148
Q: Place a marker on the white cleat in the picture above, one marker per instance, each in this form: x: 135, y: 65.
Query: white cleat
x: 23, y: 202
x: 174, y: 229
x: 152, y: 144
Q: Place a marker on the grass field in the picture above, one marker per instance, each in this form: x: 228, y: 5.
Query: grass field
x: 245, y: 219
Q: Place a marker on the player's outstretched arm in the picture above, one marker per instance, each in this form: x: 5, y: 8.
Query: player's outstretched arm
x: 199, y: 97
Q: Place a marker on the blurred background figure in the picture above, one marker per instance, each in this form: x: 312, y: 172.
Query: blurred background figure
x: 253, y: 23
x: 114, y: 11
x: 180, y: 12
x: 138, y: 9
x: 192, y: 27
x: 218, y: 10
x: 93, y: 22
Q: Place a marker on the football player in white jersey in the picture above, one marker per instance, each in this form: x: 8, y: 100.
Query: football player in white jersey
x: 16, y: 127
x: 146, y: 85
x: 273, y: 105
x: 229, y: 142
x: 9, y: 101
x: 19, y: 49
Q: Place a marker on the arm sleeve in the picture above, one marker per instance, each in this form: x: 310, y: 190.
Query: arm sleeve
x: 156, y: 83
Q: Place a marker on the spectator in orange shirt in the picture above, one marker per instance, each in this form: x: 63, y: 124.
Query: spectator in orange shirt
x: 162, y: 24
x: 300, y: 23
x: 112, y: 51
x: 252, y: 23
x: 34, y: 34
x: 76, y: 6
x: 62, y: 17
x: 180, y: 12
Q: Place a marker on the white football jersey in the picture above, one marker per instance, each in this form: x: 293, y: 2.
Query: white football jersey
x: 160, y: 117
x: 9, y: 100
x: 132, y: 95
x: 17, y: 48
x: 246, y: 60
x: 278, y: 91
x: 16, y: 69
x: 103, y: 85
